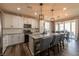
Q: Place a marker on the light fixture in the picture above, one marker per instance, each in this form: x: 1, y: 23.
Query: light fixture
x: 64, y: 8
x: 18, y: 9
x: 41, y: 16
x: 52, y: 15
x: 35, y: 13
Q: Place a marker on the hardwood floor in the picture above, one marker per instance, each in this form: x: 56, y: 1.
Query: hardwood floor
x: 71, y: 49
x: 17, y: 50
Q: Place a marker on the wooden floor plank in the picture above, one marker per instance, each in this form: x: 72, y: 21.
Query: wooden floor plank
x: 71, y: 49
x: 17, y: 50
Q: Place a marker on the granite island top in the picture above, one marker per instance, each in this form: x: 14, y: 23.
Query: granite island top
x: 39, y: 35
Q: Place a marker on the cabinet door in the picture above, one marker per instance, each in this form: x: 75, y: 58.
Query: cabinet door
x: 25, y: 20
x: 7, y: 22
x: 20, y: 22
x: 9, y: 40
x: 29, y: 21
x: 13, y: 39
x: 15, y: 21
x: 33, y: 23
x: 36, y: 23
x: 5, y: 41
x: 21, y: 37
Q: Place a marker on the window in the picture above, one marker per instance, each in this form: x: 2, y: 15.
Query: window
x: 61, y: 27
x: 56, y: 26
x: 67, y: 26
x: 47, y: 26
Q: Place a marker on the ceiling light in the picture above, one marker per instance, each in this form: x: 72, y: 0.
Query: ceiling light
x: 64, y: 8
x: 18, y: 8
x: 35, y: 13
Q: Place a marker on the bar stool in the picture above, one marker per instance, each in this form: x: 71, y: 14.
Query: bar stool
x: 43, y: 48
x: 55, y: 43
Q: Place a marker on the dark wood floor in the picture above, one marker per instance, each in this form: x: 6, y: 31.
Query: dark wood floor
x: 71, y: 49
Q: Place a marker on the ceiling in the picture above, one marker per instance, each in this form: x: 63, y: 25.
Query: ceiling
x: 32, y: 8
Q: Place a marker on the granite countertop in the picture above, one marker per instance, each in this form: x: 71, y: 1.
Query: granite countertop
x: 39, y: 36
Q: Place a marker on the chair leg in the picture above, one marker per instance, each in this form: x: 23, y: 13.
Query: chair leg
x: 63, y: 44
x: 54, y: 51
x: 58, y: 48
x: 48, y: 51
x: 60, y: 45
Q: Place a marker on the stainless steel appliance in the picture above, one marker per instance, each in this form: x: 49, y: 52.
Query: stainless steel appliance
x: 27, y: 31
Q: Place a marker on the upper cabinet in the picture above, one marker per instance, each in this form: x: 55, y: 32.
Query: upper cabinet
x: 17, y: 22
x: 31, y: 21
x: 7, y: 21
x: 34, y: 23
x: 12, y: 21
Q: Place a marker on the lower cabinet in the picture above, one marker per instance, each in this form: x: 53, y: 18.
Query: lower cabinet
x: 12, y: 39
x: 5, y: 42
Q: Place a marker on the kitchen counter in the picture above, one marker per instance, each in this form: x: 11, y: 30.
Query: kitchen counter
x: 38, y: 39
x: 39, y: 35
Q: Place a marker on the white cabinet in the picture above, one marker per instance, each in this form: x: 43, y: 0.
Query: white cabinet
x: 12, y: 39
x: 7, y: 21
x: 15, y: 21
x: 16, y: 38
x: 18, y: 22
x: 21, y: 38
x: 12, y: 21
x: 25, y: 20
x: 5, y: 42
x: 33, y: 22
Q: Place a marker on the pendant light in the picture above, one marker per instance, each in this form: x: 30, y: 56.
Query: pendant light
x: 52, y: 10
x: 41, y: 16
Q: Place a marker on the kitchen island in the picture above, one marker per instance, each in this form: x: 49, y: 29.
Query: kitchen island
x: 39, y: 42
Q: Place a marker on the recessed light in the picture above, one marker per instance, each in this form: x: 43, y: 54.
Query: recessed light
x: 35, y: 13
x: 64, y: 8
x: 18, y: 8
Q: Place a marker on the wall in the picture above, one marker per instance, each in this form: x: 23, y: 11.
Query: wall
x: 53, y: 26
